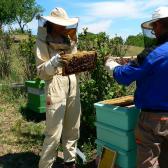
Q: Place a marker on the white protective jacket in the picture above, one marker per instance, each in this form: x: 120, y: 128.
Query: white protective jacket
x: 63, y: 103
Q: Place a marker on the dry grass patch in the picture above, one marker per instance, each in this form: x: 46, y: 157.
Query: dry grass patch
x: 20, y: 140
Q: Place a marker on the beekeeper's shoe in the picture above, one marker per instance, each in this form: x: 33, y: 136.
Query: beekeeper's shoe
x: 70, y: 165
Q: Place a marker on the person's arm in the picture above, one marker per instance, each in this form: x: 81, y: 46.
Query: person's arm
x: 45, y: 65
x: 126, y: 74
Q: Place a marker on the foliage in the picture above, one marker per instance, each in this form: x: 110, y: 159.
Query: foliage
x: 27, y: 10
x: 7, y: 11
x: 27, y: 57
x: 5, y: 54
x: 90, y: 41
x: 18, y: 31
x: 97, y: 85
x: 150, y: 42
x: 88, y: 149
x: 11, y: 93
x: 137, y: 40
x: 29, y: 129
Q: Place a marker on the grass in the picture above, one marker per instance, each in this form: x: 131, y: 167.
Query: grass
x: 133, y: 50
x: 17, y: 72
x: 21, y: 139
x: 19, y: 37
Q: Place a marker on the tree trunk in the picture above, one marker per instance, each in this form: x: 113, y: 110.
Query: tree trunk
x: 0, y: 26
x: 22, y: 29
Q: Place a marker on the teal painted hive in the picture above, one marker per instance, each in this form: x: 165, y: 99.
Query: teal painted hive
x: 117, y: 137
x: 125, y: 159
x: 124, y: 118
x: 36, y: 96
x: 116, y: 120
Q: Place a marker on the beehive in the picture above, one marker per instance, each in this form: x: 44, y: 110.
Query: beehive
x: 115, y: 124
x: 122, y: 139
x: 125, y: 159
x: 117, y: 112
x: 36, y: 96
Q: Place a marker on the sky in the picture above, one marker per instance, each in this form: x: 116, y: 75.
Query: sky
x: 115, y: 17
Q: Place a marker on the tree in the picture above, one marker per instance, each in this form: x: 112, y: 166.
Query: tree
x: 5, y: 54
x: 137, y: 40
x: 27, y: 57
x: 118, y: 40
x: 27, y: 10
x: 7, y: 12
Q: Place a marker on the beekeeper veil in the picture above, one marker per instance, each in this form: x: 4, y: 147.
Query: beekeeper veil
x: 150, y: 39
x: 59, y: 17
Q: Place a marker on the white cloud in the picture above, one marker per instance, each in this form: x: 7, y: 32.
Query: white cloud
x: 155, y: 3
x: 96, y: 27
x: 113, y: 9
x: 98, y: 16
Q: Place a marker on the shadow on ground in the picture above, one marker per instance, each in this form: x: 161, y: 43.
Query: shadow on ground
x: 31, y: 115
x: 19, y: 160
x: 30, y: 160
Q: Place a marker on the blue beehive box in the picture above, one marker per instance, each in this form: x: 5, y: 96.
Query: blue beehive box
x: 117, y: 137
x: 113, y: 114
x: 125, y: 159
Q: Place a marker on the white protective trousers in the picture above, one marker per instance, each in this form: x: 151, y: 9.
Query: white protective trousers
x: 62, y: 119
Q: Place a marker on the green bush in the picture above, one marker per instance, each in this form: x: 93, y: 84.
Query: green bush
x: 97, y: 85
x: 27, y: 57
x: 5, y: 54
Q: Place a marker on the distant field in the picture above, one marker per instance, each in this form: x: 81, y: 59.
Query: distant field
x: 133, y: 51
x: 19, y: 37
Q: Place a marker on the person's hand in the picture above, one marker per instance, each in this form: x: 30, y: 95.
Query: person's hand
x: 64, y: 59
x: 56, y: 61
x: 110, y: 64
x: 106, y: 58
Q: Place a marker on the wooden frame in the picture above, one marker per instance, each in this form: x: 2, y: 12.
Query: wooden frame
x: 108, y: 158
x: 79, y: 62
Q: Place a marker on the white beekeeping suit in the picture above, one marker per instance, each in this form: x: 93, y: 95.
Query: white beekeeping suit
x: 62, y: 92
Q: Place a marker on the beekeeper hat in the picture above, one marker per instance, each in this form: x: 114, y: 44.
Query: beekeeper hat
x: 60, y: 17
x: 159, y: 13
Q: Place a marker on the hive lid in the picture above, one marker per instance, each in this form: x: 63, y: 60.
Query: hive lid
x: 121, y: 101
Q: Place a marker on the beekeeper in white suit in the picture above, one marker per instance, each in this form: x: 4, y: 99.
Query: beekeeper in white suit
x: 56, y: 35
